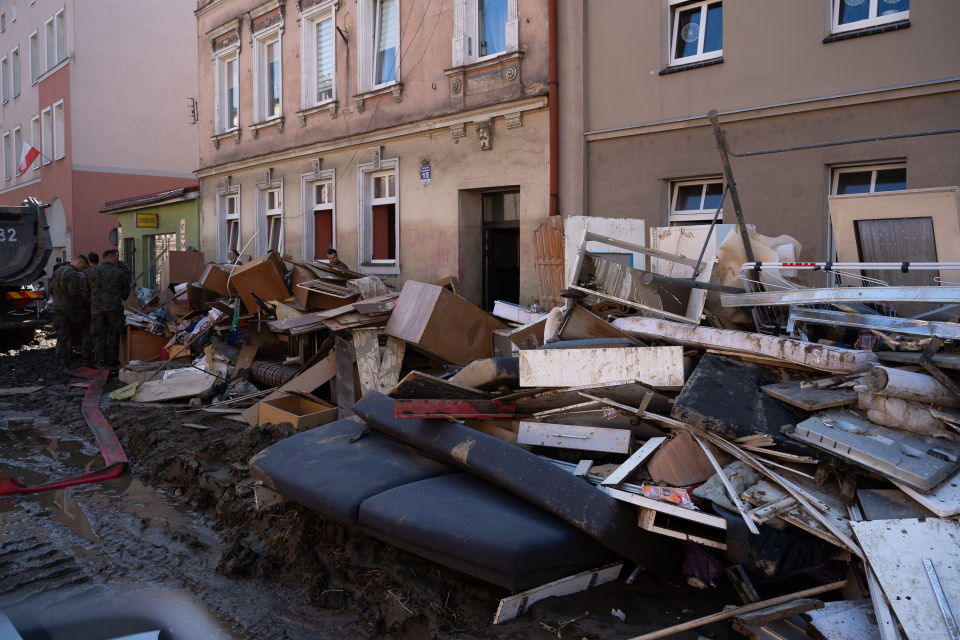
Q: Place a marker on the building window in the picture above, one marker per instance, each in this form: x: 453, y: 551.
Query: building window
x: 696, y: 31
x: 34, y: 57
x: 56, y: 39
x: 15, y: 70
x: 267, y: 78
x: 486, y: 28
x: 274, y: 213
x: 860, y: 14
x: 3, y: 22
x: 320, y: 222
x: 5, y: 79
x: 319, y: 52
x: 380, y: 217
x: 61, y: 29
x: 228, y: 91
x: 46, y: 123
x: 386, y: 40
x: 491, y: 27
x: 17, y: 148
x: 228, y: 215
x: 7, y: 157
x: 50, y: 41
x: 35, y: 138
x: 59, y: 132
x: 869, y: 179
x: 695, y: 201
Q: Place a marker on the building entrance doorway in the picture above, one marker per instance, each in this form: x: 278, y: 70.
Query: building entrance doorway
x: 501, y: 247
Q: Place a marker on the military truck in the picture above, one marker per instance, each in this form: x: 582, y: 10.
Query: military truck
x: 25, y: 249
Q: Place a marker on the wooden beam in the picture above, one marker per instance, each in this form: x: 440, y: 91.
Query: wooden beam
x: 633, y: 462
x: 656, y: 366
x: 518, y: 604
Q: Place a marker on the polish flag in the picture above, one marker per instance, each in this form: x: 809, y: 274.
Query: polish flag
x: 29, y: 155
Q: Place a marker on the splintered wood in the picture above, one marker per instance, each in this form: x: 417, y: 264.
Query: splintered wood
x: 655, y: 366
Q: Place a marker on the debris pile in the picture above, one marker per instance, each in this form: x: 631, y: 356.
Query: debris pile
x: 751, y: 429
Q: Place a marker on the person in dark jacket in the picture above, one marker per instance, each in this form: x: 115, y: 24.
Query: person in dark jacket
x: 108, y: 287
x: 70, y: 309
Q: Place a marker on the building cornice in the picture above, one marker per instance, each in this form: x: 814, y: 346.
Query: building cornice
x: 945, y: 85
x: 505, y: 110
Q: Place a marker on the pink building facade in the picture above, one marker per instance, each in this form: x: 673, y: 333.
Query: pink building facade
x: 105, y: 94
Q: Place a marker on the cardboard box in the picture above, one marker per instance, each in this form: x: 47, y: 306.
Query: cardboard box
x: 263, y: 276
x: 181, y: 266
x: 215, y: 276
x: 301, y: 413
x: 137, y: 344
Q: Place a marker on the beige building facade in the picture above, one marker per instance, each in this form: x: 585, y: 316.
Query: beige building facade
x: 412, y: 138
x: 638, y: 78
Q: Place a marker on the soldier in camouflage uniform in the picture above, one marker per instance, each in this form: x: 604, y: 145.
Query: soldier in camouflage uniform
x: 109, y: 286
x: 70, y: 309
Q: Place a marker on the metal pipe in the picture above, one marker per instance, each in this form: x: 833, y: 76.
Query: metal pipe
x: 649, y: 278
x: 837, y: 143
x: 731, y: 184
x: 553, y: 90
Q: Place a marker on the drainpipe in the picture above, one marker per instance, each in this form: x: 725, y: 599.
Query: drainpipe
x: 554, y: 111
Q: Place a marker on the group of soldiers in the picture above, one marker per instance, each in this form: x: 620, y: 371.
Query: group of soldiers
x: 90, y: 298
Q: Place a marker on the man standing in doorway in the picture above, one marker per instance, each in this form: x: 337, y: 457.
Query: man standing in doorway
x: 70, y: 309
x: 109, y: 286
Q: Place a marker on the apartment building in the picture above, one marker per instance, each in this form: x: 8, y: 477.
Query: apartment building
x: 638, y: 78
x: 411, y: 136
x: 103, y: 90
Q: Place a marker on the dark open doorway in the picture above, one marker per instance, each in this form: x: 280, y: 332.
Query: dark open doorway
x: 501, y: 247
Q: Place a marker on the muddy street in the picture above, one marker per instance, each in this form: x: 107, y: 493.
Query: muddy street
x: 179, y: 532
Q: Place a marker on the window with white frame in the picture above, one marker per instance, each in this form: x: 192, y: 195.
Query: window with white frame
x: 695, y: 201
x: 318, y: 55
x: 5, y: 79
x: 35, y: 139
x: 7, y: 157
x: 50, y: 44
x: 848, y: 15
x: 696, y: 31
x: 379, y: 217
x: 61, y: 31
x: 3, y: 22
x: 267, y: 76
x: 15, y: 71
x: 869, y: 178
x: 34, y: 57
x: 55, y: 32
x: 386, y: 25
x: 319, y: 220
x: 227, y: 89
x: 485, y: 29
x: 17, y: 149
x: 59, y: 131
x: 46, y: 124
x: 273, y: 211
x: 228, y: 212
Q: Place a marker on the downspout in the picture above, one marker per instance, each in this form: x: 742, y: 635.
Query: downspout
x: 554, y: 110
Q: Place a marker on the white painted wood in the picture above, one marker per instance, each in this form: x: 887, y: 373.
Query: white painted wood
x: 852, y: 623
x: 773, y: 509
x: 648, y: 520
x: 518, y: 604
x: 764, y: 493
x: 666, y: 507
x: 583, y: 468
x: 734, y: 496
x: 895, y: 550
x: 629, y: 229
x: 944, y: 502
x: 655, y: 366
x: 833, y: 359
x: 633, y: 462
x: 568, y: 436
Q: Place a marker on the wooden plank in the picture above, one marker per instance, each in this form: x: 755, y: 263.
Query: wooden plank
x: 664, y: 525
x: 18, y: 391
x: 247, y: 353
x: 854, y: 623
x: 390, y: 363
x: 895, y: 550
x: 943, y: 501
x: 668, y: 508
x: 680, y: 463
x: 810, y: 398
x: 185, y: 386
x: 420, y: 385
x: 824, y: 358
x: 633, y: 462
x: 567, y: 436
x: 747, y: 608
x: 583, y: 468
x: 625, y: 391
x: 548, y: 259
x: 367, y: 348
x: 779, y: 612
x: 765, y: 493
x: 734, y: 496
x: 518, y: 604
x: 421, y: 408
x: 346, y: 391
x: 656, y: 366
x: 773, y: 509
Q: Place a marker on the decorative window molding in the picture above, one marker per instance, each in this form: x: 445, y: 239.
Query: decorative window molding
x: 228, y: 218
x: 378, y: 29
x: 225, y: 136
x: 514, y: 120
x: 267, y: 38
x: 46, y: 125
x: 458, y: 131
x: 15, y: 71
x: 468, y: 32
x: 277, y: 122
x: 696, y: 31
x: 269, y: 213
x: 59, y: 131
x: 225, y: 44
x: 695, y: 201
x: 379, y: 217
x: 34, y: 57
x: 318, y: 59
x: 853, y: 15
x: 396, y: 89
x: 318, y: 192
